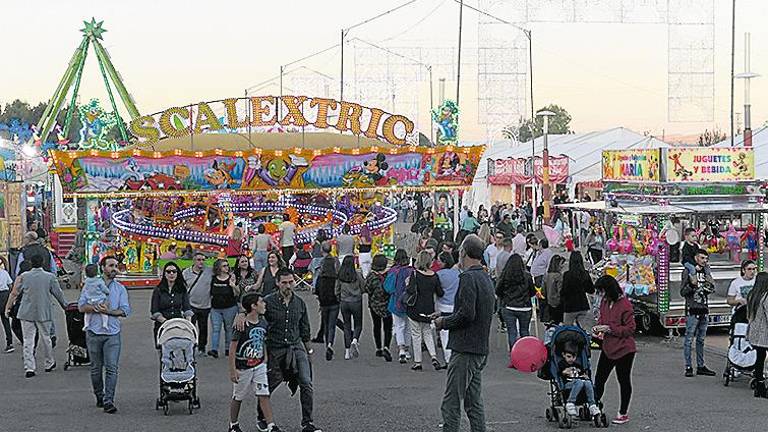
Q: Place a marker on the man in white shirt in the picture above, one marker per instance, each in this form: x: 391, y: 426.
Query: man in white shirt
x: 287, y: 233
x: 541, y: 262
x: 518, y: 241
x: 492, y: 251
x: 742, y: 285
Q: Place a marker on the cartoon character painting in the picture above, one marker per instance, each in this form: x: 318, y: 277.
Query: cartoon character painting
x: 742, y: 169
x: 679, y: 169
x: 72, y: 177
x: 373, y: 172
x: 446, y: 116
x: 274, y: 172
x: 219, y: 174
x: 96, y: 126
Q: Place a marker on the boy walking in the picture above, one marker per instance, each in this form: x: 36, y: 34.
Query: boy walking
x: 248, y: 365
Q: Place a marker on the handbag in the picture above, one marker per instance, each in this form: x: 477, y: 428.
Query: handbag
x: 411, y: 293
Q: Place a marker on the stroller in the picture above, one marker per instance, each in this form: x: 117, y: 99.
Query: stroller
x: 62, y: 274
x: 77, y: 351
x: 741, y: 356
x: 178, y: 378
x: 556, y: 340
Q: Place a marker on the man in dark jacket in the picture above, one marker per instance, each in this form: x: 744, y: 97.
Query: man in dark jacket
x: 506, y: 227
x: 33, y: 246
x: 469, y: 327
x: 695, y: 288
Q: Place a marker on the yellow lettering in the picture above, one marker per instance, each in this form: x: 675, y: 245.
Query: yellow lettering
x: 294, y: 115
x: 206, y: 117
x: 373, y: 125
x: 144, y: 128
x: 349, y: 113
x: 388, y: 129
x: 322, y: 105
x: 259, y: 110
x: 232, y: 121
x: 169, y: 129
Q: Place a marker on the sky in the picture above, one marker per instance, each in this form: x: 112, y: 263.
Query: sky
x: 176, y: 52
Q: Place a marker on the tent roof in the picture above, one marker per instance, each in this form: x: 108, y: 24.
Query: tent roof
x: 759, y: 143
x: 583, y: 149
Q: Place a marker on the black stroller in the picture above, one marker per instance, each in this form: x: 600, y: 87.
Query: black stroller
x: 741, y: 358
x: 556, y: 412
x: 77, y: 351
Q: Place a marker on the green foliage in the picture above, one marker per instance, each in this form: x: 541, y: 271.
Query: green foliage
x: 559, y: 124
x: 710, y: 137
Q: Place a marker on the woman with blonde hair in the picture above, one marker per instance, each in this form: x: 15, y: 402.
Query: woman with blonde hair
x: 422, y: 287
x: 484, y: 233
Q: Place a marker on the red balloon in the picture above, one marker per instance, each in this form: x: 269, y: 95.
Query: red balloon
x: 528, y: 354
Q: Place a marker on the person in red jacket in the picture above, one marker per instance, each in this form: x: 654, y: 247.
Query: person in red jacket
x: 616, y: 326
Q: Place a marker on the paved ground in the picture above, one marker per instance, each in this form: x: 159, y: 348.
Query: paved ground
x: 365, y: 394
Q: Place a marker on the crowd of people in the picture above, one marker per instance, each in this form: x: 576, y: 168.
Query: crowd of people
x: 440, y: 298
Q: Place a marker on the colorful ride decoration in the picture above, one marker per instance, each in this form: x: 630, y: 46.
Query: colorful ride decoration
x: 146, y: 173
x: 446, y: 118
x: 96, y: 126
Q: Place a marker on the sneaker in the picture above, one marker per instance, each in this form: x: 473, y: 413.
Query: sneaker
x: 99, y: 403
x: 594, y: 410
x: 688, y: 372
x: 213, y: 353
x: 416, y: 367
x: 329, y: 354
x: 355, y: 349
x: 9, y: 349
x: 387, y: 356
x: 235, y: 428
x: 262, y: 426
x: 273, y: 428
x: 379, y: 353
x: 436, y: 364
x: 705, y: 371
x: 29, y: 374
x: 571, y: 409
x: 202, y: 353
x: 51, y: 369
x: 347, y: 355
x: 407, y: 355
x: 403, y: 359
x: 110, y: 408
x: 621, y: 419
x: 309, y: 427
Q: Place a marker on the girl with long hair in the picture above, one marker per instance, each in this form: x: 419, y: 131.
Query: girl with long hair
x: 364, y: 248
x: 169, y: 298
x: 553, y: 284
x: 577, y: 283
x: 514, y: 290
x: 224, y: 295
x: 378, y: 298
x: 757, y: 313
x: 424, y: 285
x: 266, y: 283
x: 245, y: 276
x: 349, y: 291
x: 394, y: 284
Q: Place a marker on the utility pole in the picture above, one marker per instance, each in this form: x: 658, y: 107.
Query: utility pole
x: 747, y: 76
x: 458, y: 62
x: 733, y: 54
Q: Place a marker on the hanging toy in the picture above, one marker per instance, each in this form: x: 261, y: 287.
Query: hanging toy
x: 637, y: 245
x: 652, y: 240
x: 734, y: 243
x: 625, y: 244
x: 613, y: 243
x: 750, y: 238
x: 568, y: 243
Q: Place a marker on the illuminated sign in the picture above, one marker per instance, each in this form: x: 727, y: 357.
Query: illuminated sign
x: 707, y: 164
x: 631, y: 165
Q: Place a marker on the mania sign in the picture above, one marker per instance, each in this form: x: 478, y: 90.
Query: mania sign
x: 631, y: 165
x: 706, y: 164
x: 269, y: 111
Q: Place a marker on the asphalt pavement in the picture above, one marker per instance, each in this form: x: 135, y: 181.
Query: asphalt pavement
x: 366, y: 394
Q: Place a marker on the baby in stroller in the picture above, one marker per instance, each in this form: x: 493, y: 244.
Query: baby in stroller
x: 576, y: 379
x: 178, y: 379
x: 569, y: 373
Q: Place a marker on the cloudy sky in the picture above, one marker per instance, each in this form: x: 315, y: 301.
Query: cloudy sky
x: 175, y: 52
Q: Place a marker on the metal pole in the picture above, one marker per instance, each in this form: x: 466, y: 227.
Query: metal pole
x: 341, y: 83
x: 533, y: 123
x: 545, y: 171
x: 279, y: 105
x: 733, y: 51
x: 458, y: 63
x: 431, y: 108
x: 747, y: 102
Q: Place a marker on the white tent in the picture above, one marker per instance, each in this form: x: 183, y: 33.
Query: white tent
x: 584, y: 151
x: 759, y: 143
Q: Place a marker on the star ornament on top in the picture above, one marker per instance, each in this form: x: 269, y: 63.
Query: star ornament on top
x: 93, y: 29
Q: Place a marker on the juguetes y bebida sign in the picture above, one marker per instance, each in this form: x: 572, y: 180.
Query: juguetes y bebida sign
x: 268, y: 111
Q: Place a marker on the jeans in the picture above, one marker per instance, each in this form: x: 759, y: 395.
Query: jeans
x: 421, y: 330
x: 378, y: 324
x: 623, y: 375
x: 31, y: 329
x: 584, y: 319
x: 200, y: 317
x: 6, y: 322
x: 260, y: 260
x: 314, y: 268
x: 512, y: 319
x: 104, y: 351
x: 760, y: 363
x: 287, y: 254
x: 445, y: 310
x: 219, y: 317
x: 276, y: 373
x: 695, y: 326
x: 464, y: 383
x: 352, y: 313
x: 329, y: 314
x: 402, y: 334
x: 577, y: 386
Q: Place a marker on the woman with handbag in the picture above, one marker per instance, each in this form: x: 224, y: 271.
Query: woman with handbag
x: 245, y: 276
x: 224, y: 295
x: 422, y: 287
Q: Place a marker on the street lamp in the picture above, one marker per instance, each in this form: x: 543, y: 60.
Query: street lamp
x: 747, y: 76
x: 545, y: 192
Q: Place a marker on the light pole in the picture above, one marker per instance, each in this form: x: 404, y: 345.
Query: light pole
x: 545, y: 192
x: 747, y: 76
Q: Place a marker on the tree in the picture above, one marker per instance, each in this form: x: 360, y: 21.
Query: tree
x: 558, y: 124
x: 710, y: 138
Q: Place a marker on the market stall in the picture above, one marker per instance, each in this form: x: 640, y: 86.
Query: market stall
x: 650, y: 197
